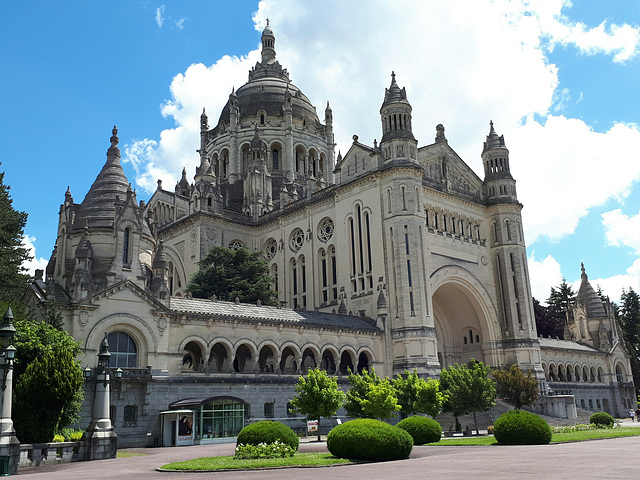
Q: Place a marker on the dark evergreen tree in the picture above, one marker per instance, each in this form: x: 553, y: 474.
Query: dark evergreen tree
x: 562, y: 297
x: 549, y: 320
x: 13, y: 279
x: 229, y: 274
x: 629, y: 319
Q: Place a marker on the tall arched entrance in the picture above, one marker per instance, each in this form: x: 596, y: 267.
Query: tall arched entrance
x: 463, y: 329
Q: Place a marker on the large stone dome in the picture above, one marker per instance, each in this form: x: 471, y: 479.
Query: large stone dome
x: 267, y: 89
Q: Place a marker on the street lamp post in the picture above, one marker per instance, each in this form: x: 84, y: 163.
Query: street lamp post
x: 100, y: 435
x: 9, y: 443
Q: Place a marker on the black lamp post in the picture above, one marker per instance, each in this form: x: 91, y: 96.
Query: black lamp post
x: 9, y: 444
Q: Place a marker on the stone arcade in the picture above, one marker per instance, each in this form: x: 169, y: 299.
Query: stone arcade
x: 395, y: 256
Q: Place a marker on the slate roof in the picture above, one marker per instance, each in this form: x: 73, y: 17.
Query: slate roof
x: 589, y: 298
x: 566, y: 345
x: 40, y: 289
x: 253, y: 313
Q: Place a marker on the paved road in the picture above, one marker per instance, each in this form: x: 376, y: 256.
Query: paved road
x: 598, y: 459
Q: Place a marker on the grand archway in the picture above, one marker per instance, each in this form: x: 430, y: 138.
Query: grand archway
x: 463, y: 329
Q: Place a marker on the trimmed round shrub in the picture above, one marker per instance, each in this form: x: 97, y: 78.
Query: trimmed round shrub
x: 268, y: 432
x: 601, y: 419
x: 368, y: 439
x: 422, y: 429
x: 518, y: 427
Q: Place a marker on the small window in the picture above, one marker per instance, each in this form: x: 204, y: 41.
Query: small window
x: 130, y: 415
x: 112, y: 414
x: 262, y: 119
x: 268, y: 410
x: 291, y: 411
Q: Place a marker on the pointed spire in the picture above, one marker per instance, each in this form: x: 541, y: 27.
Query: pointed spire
x: 256, y: 143
x: 394, y: 93
x: 98, y: 206
x: 588, y: 297
x: 493, y: 140
x: 204, y: 120
x: 114, y: 136
x: 113, y: 153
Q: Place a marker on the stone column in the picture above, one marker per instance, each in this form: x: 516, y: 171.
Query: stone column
x: 100, y: 438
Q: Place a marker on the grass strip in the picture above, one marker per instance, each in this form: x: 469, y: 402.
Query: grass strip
x: 122, y: 454
x: 579, y: 436
x: 317, y: 459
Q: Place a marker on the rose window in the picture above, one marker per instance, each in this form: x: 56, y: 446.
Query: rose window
x: 271, y: 248
x: 296, y: 240
x: 325, y: 229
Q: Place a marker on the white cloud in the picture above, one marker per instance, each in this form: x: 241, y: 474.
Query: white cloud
x: 543, y: 274
x: 160, y: 16
x: 180, y: 23
x: 563, y: 168
x: 622, y: 230
x: 620, y: 41
x: 35, y: 263
x: 463, y: 63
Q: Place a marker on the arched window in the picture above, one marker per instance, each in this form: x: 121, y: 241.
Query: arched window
x: 123, y: 350
x: 275, y: 159
x: 619, y: 374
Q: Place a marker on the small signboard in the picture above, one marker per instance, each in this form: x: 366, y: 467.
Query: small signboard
x: 312, y: 425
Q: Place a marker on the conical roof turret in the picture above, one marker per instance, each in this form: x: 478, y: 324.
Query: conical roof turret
x: 588, y: 297
x: 394, y: 94
x: 99, y: 206
x: 493, y: 140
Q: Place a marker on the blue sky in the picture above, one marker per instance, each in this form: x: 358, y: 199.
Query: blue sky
x: 559, y: 80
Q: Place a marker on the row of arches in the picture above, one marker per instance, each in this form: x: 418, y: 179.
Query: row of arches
x: 579, y: 373
x: 308, y: 160
x: 246, y: 357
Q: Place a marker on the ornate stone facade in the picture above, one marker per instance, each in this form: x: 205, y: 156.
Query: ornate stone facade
x: 392, y: 256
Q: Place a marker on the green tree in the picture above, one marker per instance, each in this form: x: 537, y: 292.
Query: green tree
x: 231, y: 274
x: 48, y: 381
x: 370, y: 396
x: 629, y: 318
x: 469, y: 389
x: 47, y: 396
x: 515, y: 388
x: 417, y: 395
x: 13, y: 280
x: 317, y: 396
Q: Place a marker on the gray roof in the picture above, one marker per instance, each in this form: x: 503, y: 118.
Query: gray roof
x: 589, y: 298
x: 566, y: 345
x: 253, y: 313
x: 98, y: 208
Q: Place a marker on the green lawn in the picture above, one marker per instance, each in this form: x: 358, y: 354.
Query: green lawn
x: 229, y: 463
x: 556, y: 438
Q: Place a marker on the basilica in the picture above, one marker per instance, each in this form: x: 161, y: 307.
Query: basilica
x: 394, y: 256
